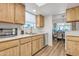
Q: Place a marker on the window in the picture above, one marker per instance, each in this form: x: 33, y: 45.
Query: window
x: 62, y: 27
x: 30, y: 20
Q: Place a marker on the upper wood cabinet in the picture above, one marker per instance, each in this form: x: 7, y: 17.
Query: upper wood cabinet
x: 6, y: 12
x: 3, y: 12
x: 77, y: 13
x: 39, y: 21
x: 19, y: 14
x: 72, y: 14
x: 12, y: 13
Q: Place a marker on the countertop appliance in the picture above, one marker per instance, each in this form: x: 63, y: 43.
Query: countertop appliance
x: 5, y: 33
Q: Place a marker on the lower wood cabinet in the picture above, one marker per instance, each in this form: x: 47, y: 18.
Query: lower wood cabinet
x: 9, y: 48
x: 77, y: 49
x: 22, y: 47
x: 35, y: 47
x: 72, y: 46
x: 37, y: 44
x: 10, y: 52
x: 26, y: 49
x: 41, y: 43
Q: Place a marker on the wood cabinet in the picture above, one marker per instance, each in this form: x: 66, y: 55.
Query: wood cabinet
x: 9, y: 48
x: 35, y: 46
x: 40, y: 21
x: 19, y: 14
x: 37, y: 43
x: 41, y: 43
x: 77, y: 13
x: 25, y: 46
x: 3, y: 12
x: 26, y: 49
x: 12, y: 13
x: 7, y: 12
x: 72, y: 14
x: 72, y: 45
x: 10, y: 52
x: 77, y: 49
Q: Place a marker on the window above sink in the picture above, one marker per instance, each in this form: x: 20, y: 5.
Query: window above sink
x: 30, y: 20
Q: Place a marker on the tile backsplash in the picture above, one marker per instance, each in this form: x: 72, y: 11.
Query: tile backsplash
x: 20, y: 28
x: 11, y: 26
x: 7, y: 32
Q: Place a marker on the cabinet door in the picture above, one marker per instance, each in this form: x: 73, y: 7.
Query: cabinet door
x: 10, y: 14
x: 10, y: 52
x: 35, y: 47
x: 77, y: 13
x: 7, y: 12
x: 19, y: 14
x: 70, y: 47
x: 26, y: 49
x: 3, y: 12
x: 41, y: 43
x: 71, y: 15
x: 77, y: 48
x: 40, y: 21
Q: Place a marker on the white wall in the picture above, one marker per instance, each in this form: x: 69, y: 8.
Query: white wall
x: 48, y: 28
x: 58, y: 19
x: 49, y: 21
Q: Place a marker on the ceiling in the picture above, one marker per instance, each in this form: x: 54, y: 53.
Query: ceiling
x: 49, y: 8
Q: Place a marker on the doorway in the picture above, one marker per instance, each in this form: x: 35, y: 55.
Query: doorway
x: 58, y: 32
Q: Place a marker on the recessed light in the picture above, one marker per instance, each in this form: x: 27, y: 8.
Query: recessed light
x: 34, y: 10
x: 40, y: 4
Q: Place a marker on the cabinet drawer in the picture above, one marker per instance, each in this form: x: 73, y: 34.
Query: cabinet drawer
x: 24, y: 40
x: 36, y: 37
x: 8, y: 44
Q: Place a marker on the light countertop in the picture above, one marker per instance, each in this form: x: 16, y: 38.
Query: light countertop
x: 72, y: 33
x: 18, y: 37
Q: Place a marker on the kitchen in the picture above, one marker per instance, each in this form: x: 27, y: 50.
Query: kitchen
x: 26, y: 29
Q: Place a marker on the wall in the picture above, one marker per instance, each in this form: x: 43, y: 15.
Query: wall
x: 58, y: 18
x: 48, y: 28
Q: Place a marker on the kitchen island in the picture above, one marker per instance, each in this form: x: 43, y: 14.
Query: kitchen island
x: 22, y: 45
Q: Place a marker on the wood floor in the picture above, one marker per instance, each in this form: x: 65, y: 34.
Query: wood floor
x: 58, y: 49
